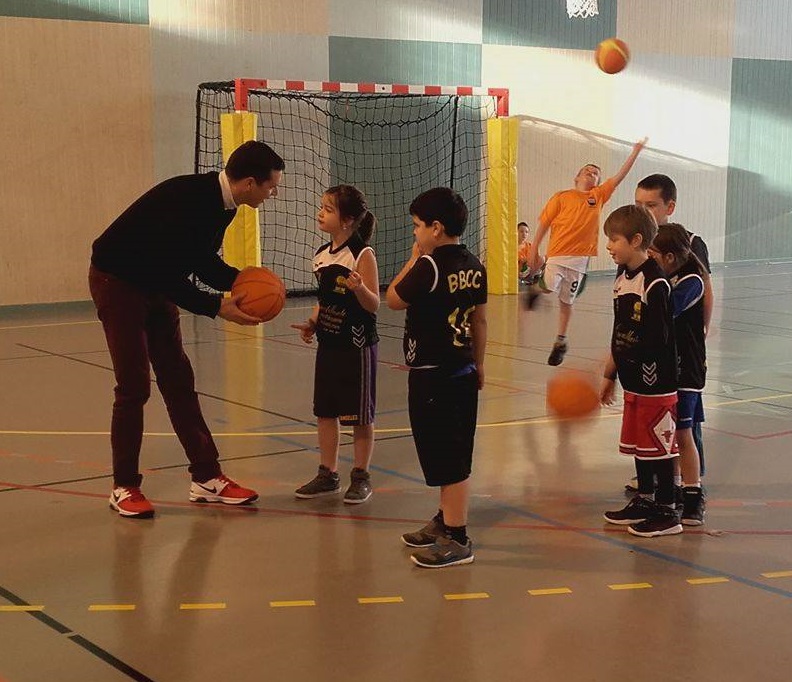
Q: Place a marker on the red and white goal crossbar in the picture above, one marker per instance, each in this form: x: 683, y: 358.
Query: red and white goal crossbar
x: 242, y: 87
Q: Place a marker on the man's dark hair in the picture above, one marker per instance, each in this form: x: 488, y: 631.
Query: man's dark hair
x: 662, y: 182
x: 445, y: 206
x: 253, y: 159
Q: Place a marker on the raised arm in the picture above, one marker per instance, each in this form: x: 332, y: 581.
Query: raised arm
x: 628, y: 164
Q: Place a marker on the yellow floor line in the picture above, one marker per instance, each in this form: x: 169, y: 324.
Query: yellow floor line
x: 552, y: 590
x: 706, y: 581
x: 286, y: 604
x: 778, y: 574
x: 26, y: 607
x: 630, y: 586
x: 380, y: 600
x: 112, y: 607
x: 197, y: 607
x: 466, y: 595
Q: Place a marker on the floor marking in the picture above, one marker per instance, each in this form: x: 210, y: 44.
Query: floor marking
x: 112, y: 607
x: 778, y: 574
x: 552, y: 590
x: 630, y: 586
x: 466, y: 595
x: 287, y: 604
x: 707, y: 581
x: 380, y: 600
x: 22, y: 607
x: 197, y: 607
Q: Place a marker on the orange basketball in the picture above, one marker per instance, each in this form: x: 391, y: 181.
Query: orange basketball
x: 263, y: 291
x: 572, y: 394
x: 612, y: 55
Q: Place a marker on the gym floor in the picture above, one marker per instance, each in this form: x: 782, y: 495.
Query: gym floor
x: 299, y: 590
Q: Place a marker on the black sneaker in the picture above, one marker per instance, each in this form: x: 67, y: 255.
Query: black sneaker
x: 693, y: 507
x: 532, y: 295
x: 637, y: 509
x: 679, y: 497
x: 359, y: 489
x: 665, y: 521
x: 444, y: 552
x: 557, y: 354
x: 326, y: 482
x: 426, y: 536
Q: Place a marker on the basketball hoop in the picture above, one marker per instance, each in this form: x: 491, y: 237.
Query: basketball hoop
x: 582, y: 8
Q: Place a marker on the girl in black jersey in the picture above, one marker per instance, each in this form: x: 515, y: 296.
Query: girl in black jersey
x: 345, y: 324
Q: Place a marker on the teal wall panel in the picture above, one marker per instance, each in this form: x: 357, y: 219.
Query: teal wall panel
x: 116, y: 11
x: 359, y: 60
x: 544, y: 23
x: 759, y: 184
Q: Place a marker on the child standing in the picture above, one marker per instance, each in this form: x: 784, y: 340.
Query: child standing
x: 572, y: 217
x: 443, y: 287
x: 643, y: 357
x: 345, y: 324
x: 671, y: 250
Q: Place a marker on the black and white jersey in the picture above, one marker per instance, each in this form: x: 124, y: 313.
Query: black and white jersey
x: 687, y: 303
x: 699, y: 247
x: 642, y: 344
x: 442, y: 290
x: 342, y: 321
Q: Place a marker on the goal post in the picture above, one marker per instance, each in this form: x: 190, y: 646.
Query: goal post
x: 391, y: 141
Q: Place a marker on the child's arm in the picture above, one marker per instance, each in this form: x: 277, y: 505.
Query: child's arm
x: 478, y: 331
x: 533, y: 256
x: 364, y: 282
x: 393, y: 299
x: 608, y: 387
x: 308, y: 328
x: 628, y: 164
x: 709, y: 301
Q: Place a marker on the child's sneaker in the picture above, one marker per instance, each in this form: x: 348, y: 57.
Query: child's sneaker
x: 665, y: 521
x: 426, y: 536
x: 444, y: 552
x: 557, y: 354
x: 221, y: 489
x: 693, y: 507
x: 359, y: 489
x: 325, y: 482
x: 638, y: 509
x: 132, y: 503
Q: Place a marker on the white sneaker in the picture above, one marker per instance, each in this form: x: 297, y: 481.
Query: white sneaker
x: 221, y: 489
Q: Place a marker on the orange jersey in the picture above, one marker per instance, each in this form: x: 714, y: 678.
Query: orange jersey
x: 573, y: 217
x: 523, y: 251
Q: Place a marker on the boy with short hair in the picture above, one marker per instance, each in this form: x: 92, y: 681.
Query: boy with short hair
x: 572, y: 216
x: 643, y: 357
x: 443, y: 287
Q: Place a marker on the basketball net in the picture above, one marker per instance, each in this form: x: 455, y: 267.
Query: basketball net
x: 582, y: 8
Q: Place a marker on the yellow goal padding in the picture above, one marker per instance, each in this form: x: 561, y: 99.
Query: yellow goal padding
x: 242, y: 241
x: 502, y: 138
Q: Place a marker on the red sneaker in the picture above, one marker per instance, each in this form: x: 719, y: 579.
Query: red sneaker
x: 131, y: 502
x: 221, y: 489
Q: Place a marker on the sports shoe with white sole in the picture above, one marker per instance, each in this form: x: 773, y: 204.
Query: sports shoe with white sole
x: 131, y: 503
x: 221, y: 489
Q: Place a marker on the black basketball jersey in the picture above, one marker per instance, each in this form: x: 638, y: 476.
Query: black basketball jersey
x: 342, y: 321
x: 687, y: 298
x: 442, y: 290
x: 643, y: 343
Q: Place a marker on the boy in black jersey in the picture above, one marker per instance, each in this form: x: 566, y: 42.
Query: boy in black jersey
x: 643, y: 356
x: 443, y: 287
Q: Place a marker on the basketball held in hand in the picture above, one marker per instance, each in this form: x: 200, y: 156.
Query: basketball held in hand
x: 612, y: 55
x: 263, y: 293
x: 572, y: 394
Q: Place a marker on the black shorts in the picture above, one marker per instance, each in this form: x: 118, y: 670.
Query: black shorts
x: 345, y: 384
x: 443, y: 409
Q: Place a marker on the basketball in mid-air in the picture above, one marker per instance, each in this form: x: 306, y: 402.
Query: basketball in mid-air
x: 263, y: 293
x: 612, y: 55
x: 572, y: 394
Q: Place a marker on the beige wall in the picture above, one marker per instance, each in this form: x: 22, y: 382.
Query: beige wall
x: 77, y: 147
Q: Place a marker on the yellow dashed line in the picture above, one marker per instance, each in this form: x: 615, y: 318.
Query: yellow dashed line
x: 778, y: 574
x: 706, y: 581
x: 197, y: 607
x: 552, y: 590
x: 112, y: 607
x: 466, y: 595
x: 26, y: 607
x: 380, y: 600
x: 286, y: 604
x: 630, y: 586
